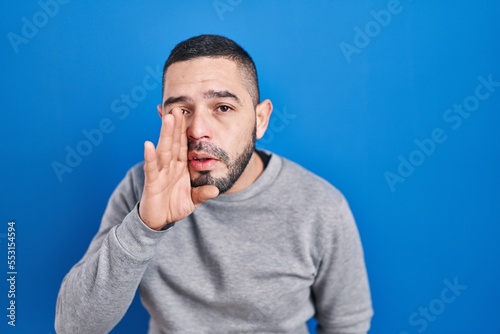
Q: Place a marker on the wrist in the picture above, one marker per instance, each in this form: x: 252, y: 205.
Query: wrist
x: 151, y: 226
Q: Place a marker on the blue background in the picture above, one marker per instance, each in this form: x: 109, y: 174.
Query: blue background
x: 350, y: 118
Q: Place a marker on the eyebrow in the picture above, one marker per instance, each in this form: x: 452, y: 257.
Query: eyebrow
x: 210, y: 94
x: 213, y: 94
x: 176, y: 99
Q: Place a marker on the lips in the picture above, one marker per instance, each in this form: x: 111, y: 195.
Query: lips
x: 201, y: 161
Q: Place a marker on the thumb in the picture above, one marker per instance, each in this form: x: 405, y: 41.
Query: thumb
x: 203, y: 193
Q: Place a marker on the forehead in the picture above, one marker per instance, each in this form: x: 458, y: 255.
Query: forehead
x: 198, y: 75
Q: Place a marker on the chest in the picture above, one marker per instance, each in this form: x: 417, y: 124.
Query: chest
x: 260, y: 266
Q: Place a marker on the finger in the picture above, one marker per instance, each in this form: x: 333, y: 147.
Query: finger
x: 150, y: 166
x: 203, y: 193
x: 176, y: 138
x: 164, y: 147
x: 184, y: 147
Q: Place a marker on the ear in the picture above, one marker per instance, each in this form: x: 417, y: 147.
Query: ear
x: 262, y: 114
x: 160, y: 110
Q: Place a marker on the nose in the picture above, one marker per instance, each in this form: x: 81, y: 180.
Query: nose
x: 198, y: 125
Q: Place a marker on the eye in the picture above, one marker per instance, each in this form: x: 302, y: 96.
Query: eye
x: 224, y: 108
x: 183, y: 111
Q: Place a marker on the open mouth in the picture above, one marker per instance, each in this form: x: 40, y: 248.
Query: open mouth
x: 202, y: 162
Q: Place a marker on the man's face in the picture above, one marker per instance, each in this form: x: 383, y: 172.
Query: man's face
x: 220, y: 118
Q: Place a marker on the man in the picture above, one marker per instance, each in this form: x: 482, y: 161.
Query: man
x: 218, y: 236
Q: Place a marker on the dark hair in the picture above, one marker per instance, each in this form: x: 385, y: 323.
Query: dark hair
x: 215, y: 46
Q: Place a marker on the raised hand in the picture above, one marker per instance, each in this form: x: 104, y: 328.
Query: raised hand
x: 168, y: 196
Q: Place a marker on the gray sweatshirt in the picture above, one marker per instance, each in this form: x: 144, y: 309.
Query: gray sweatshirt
x: 263, y: 260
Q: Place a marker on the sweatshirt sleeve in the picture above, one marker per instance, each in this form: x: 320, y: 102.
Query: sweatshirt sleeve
x: 341, y: 290
x: 98, y: 290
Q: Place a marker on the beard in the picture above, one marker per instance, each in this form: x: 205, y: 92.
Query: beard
x: 234, y: 166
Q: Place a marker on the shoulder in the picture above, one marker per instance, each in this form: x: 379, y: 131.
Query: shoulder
x: 135, y: 175
x: 136, y: 172
x: 318, y: 208
x: 307, y: 185
x: 131, y: 186
x: 311, y: 197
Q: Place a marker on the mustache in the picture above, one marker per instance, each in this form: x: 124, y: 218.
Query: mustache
x: 208, y: 148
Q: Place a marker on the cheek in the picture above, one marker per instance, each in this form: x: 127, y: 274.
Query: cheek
x: 240, y: 137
